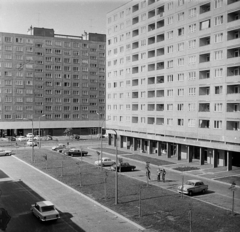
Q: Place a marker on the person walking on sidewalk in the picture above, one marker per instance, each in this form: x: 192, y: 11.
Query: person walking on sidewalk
x: 163, y: 175
x: 159, y: 172
x: 148, y: 172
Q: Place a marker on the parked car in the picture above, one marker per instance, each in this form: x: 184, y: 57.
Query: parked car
x: 31, y: 142
x: 48, y: 137
x: 102, y: 136
x: 104, y: 162
x: 192, y: 186
x: 12, y: 138
x: 125, y: 167
x: 30, y: 135
x: 37, y: 137
x: 58, y: 147
x: 76, y: 152
x: 5, y: 152
x: 21, y: 138
x: 74, y: 136
x: 45, y: 211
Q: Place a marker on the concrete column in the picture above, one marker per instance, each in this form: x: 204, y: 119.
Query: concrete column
x: 159, y: 148
x: 134, y: 144
x: 178, y: 151
x: 121, y: 141
x: 109, y: 139
x: 149, y: 146
x: 189, y: 154
x: 201, y: 156
x: 214, y: 158
x: 229, y: 161
x: 168, y: 150
x: 141, y: 145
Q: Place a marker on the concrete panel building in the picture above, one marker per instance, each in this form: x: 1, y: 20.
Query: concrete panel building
x: 58, y: 80
x: 173, y: 79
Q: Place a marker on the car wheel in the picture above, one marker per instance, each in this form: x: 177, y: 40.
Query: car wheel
x: 203, y: 191
x: 190, y: 193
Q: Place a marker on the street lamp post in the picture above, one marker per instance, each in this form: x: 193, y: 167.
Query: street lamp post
x: 116, y: 173
x: 39, y: 132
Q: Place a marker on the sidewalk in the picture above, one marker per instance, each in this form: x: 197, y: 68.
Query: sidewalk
x: 87, y: 214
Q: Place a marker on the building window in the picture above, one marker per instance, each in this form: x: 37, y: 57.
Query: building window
x: 170, y: 34
x: 180, y: 122
x: 180, y: 16
x: 180, y: 92
x: 192, y: 91
x: 218, y: 37
x: 170, y: 92
x: 180, y: 107
x: 181, y: 31
x: 192, y: 28
x: 180, y: 61
x: 169, y: 121
x: 191, y: 107
x: 218, y: 20
x: 170, y: 64
x: 218, y: 89
x: 218, y: 55
x: 191, y: 122
x: 170, y: 20
x: 180, y: 76
x: 192, y: 60
x: 217, y: 124
x: 218, y: 107
x: 192, y: 12
x: 219, y: 72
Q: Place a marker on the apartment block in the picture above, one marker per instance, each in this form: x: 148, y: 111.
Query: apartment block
x: 58, y: 80
x: 173, y: 79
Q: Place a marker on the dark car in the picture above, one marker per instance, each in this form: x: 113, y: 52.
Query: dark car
x: 74, y: 136
x: 125, y: 167
x: 76, y: 152
x: 12, y: 138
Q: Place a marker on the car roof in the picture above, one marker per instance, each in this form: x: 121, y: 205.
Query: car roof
x: 195, y: 180
x: 44, y: 203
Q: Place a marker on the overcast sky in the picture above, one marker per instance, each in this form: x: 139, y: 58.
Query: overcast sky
x: 69, y: 17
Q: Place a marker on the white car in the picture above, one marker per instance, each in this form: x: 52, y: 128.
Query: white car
x: 192, y: 186
x: 104, y: 162
x: 5, y: 152
x: 59, y: 147
x: 30, y: 142
x: 37, y: 137
x: 30, y: 135
x: 45, y: 211
x: 21, y: 138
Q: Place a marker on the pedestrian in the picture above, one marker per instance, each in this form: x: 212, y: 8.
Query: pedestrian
x: 148, y: 172
x: 159, y: 172
x: 163, y: 175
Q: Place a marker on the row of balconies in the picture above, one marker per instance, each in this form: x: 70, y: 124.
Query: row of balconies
x: 203, y: 91
x: 203, y: 107
x: 202, y: 123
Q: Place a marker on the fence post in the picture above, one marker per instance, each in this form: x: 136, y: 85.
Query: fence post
x: 62, y: 169
x: 105, y: 185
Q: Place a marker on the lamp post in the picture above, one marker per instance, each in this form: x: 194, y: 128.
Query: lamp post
x: 39, y: 132
x: 116, y: 173
x: 32, y: 156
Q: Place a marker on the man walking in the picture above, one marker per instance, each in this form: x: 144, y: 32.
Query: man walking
x: 163, y: 175
x: 159, y: 172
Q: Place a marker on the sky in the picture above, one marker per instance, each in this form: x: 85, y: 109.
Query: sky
x: 68, y: 17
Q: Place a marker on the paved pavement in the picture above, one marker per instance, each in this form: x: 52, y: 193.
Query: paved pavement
x: 86, y: 213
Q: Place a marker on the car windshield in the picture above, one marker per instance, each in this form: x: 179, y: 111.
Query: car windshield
x: 189, y: 183
x: 47, y: 208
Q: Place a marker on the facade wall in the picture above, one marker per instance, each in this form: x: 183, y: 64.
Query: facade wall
x: 60, y: 77
x: 173, y: 72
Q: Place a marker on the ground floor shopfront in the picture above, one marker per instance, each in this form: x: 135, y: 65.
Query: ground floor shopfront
x: 215, y: 155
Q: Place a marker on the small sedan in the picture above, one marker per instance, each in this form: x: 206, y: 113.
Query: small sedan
x: 192, y: 186
x: 76, y: 152
x: 21, y: 138
x: 104, y: 162
x: 5, y: 152
x: 45, y: 211
x: 31, y: 143
x: 123, y: 167
x: 59, y: 147
x: 30, y: 135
